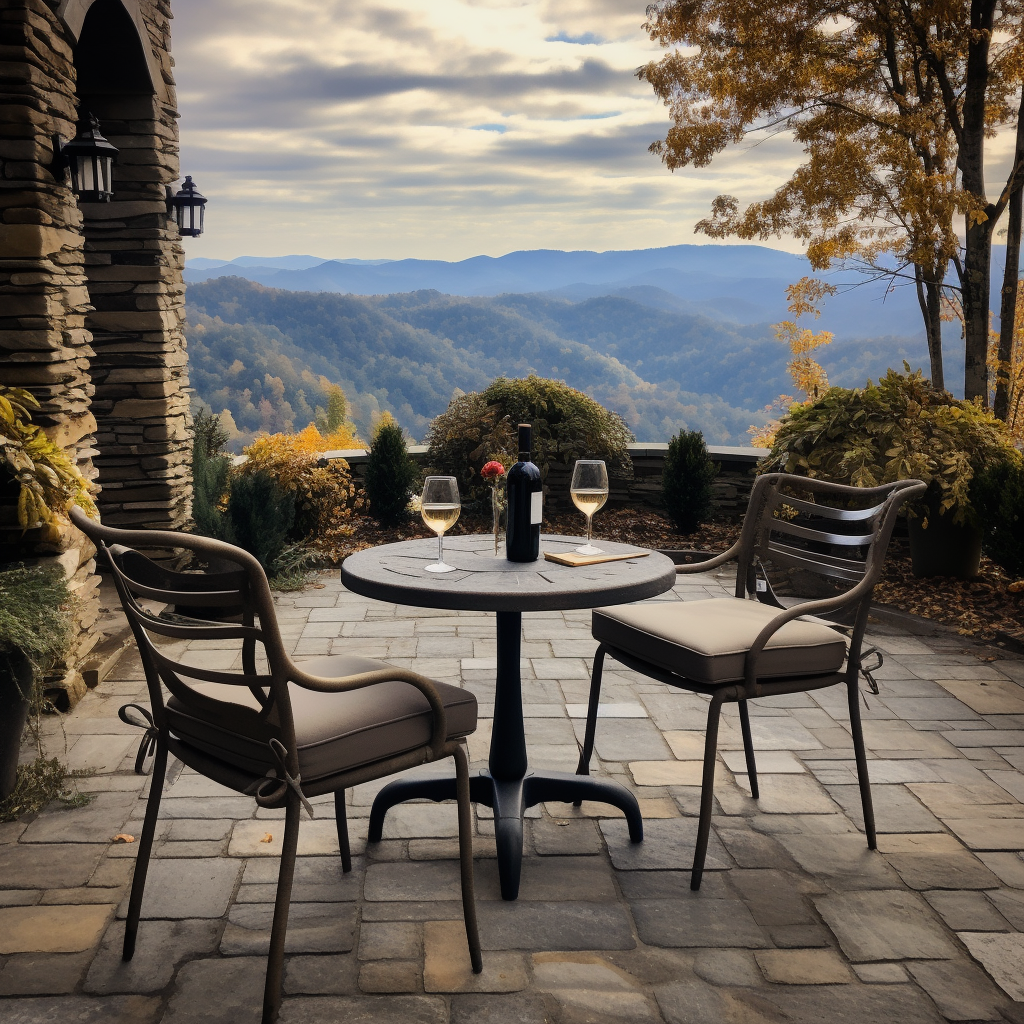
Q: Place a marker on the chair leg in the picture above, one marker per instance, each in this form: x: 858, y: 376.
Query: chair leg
x: 748, y: 749
x: 156, y: 786
x: 342, y: 820
x: 853, y: 695
x: 466, y: 858
x: 707, y: 790
x: 285, y: 876
x: 586, y: 752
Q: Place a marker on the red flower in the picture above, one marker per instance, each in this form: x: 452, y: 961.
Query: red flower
x: 492, y: 471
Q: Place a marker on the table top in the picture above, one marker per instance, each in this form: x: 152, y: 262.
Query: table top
x: 483, y: 582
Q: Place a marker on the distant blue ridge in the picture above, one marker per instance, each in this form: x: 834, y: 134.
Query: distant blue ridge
x: 738, y: 284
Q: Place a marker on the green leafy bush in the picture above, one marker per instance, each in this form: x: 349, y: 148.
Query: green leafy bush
x: 390, y: 473
x: 998, y: 495
x: 900, y: 428
x: 260, y: 514
x: 210, y: 468
x: 687, y: 479
x: 567, y: 425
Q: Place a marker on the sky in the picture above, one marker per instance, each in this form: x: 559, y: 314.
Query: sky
x: 437, y: 129
x: 384, y: 129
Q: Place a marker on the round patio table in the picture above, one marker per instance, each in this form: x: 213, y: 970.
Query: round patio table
x: 483, y: 582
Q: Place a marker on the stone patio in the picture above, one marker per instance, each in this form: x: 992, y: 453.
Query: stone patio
x: 796, y: 921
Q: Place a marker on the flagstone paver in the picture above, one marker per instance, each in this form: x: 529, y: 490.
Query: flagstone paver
x: 796, y: 919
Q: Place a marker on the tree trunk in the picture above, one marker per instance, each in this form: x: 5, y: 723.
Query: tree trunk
x: 929, y: 295
x: 971, y: 161
x: 1008, y: 307
x: 977, y: 270
x: 1008, y: 299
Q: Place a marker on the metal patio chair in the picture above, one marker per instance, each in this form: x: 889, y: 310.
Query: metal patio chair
x: 751, y: 645
x: 282, y: 734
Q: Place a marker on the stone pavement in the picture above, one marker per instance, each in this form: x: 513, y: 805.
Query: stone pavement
x: 796, y: 921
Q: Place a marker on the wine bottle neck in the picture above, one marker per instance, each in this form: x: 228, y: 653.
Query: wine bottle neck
x: 524, y: 456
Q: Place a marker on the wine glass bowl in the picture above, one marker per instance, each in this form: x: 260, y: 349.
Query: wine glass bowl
x: 440, y: 506
x: 589, y: 491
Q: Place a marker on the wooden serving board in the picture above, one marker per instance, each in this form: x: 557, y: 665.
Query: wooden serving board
x: 576, y: 560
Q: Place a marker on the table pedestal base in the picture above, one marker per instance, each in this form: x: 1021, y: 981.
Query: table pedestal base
x: 509, y: 799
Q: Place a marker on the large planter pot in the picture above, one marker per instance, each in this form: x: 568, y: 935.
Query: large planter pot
x: 15, y: 687
x: 945, y: 548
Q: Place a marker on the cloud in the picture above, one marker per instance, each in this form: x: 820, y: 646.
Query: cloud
x: 440, y: 130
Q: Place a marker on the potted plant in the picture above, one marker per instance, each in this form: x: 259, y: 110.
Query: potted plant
x: 35, y: 632
x: 902, y: 428
x: 38, y: 484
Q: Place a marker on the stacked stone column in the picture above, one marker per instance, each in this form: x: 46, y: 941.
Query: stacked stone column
x: 134, y: 261
x: 44, y: 343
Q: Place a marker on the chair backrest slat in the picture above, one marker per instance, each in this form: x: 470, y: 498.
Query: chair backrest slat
x: 236, y: 583
x: 801, y: 528
x: 849, y: 515
x: 816, y: 562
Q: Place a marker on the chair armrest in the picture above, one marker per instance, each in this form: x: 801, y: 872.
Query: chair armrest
x: 826, y: 604
x: 342, y: 684
x: 711, y: 563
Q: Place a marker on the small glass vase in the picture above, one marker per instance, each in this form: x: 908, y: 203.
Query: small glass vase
x: 498, y: 503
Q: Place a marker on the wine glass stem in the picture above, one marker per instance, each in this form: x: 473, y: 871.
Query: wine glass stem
x: 440, y: 549
x: 590, y: 523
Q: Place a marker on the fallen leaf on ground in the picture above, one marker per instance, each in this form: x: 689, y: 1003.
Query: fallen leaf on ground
x: 268, y: 838
x: 123, y: 837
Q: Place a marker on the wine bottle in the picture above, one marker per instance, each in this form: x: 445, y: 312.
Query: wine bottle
x: 522, y: 534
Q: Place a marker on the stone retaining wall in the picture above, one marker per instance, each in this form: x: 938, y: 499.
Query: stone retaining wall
x: 731, y: 487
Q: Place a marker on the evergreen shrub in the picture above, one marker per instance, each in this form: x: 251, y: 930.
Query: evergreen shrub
x: 210, y: 466
x: 687, y: 477
x: 390, y: 473
x: 998, y: 495
x: 260, y: 515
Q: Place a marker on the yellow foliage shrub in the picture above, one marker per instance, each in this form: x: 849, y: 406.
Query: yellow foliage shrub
x: 325, y: 496
x: 49, y: 483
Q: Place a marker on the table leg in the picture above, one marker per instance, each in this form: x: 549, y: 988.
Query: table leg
x: 507, y: 758
x: 508, y: 787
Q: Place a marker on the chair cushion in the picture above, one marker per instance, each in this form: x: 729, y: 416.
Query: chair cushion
x: 707, y: 641
x: 335, y: 732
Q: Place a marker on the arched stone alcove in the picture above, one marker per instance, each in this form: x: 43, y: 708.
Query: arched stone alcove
x: 91, y: 295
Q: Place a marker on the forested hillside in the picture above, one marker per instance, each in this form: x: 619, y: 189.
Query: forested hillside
x: 266, y: 355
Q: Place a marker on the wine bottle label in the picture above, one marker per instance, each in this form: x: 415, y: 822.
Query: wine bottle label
x: 535, y: 508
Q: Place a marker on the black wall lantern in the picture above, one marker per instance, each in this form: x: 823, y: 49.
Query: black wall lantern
x: 189, y: 207
x: 90, y: 159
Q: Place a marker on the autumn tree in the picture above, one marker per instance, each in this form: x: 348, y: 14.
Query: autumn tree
x: 807, y: 374
x: 892, y: 101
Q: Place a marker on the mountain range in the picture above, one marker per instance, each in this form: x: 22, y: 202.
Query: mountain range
x: 739, y: 284
x: 670, y: 337
x: 266, y: 354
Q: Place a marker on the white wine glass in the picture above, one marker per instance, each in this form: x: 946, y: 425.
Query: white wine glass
x: 440, y: 506
x: 589, y: 490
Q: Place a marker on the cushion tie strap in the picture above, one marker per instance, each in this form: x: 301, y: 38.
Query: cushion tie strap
x: 265, y: 796
x: 147, y: 747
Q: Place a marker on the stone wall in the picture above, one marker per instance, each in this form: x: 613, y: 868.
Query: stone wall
x: 44, y: 344
x: 731, y: 487
x: 91, y: 297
